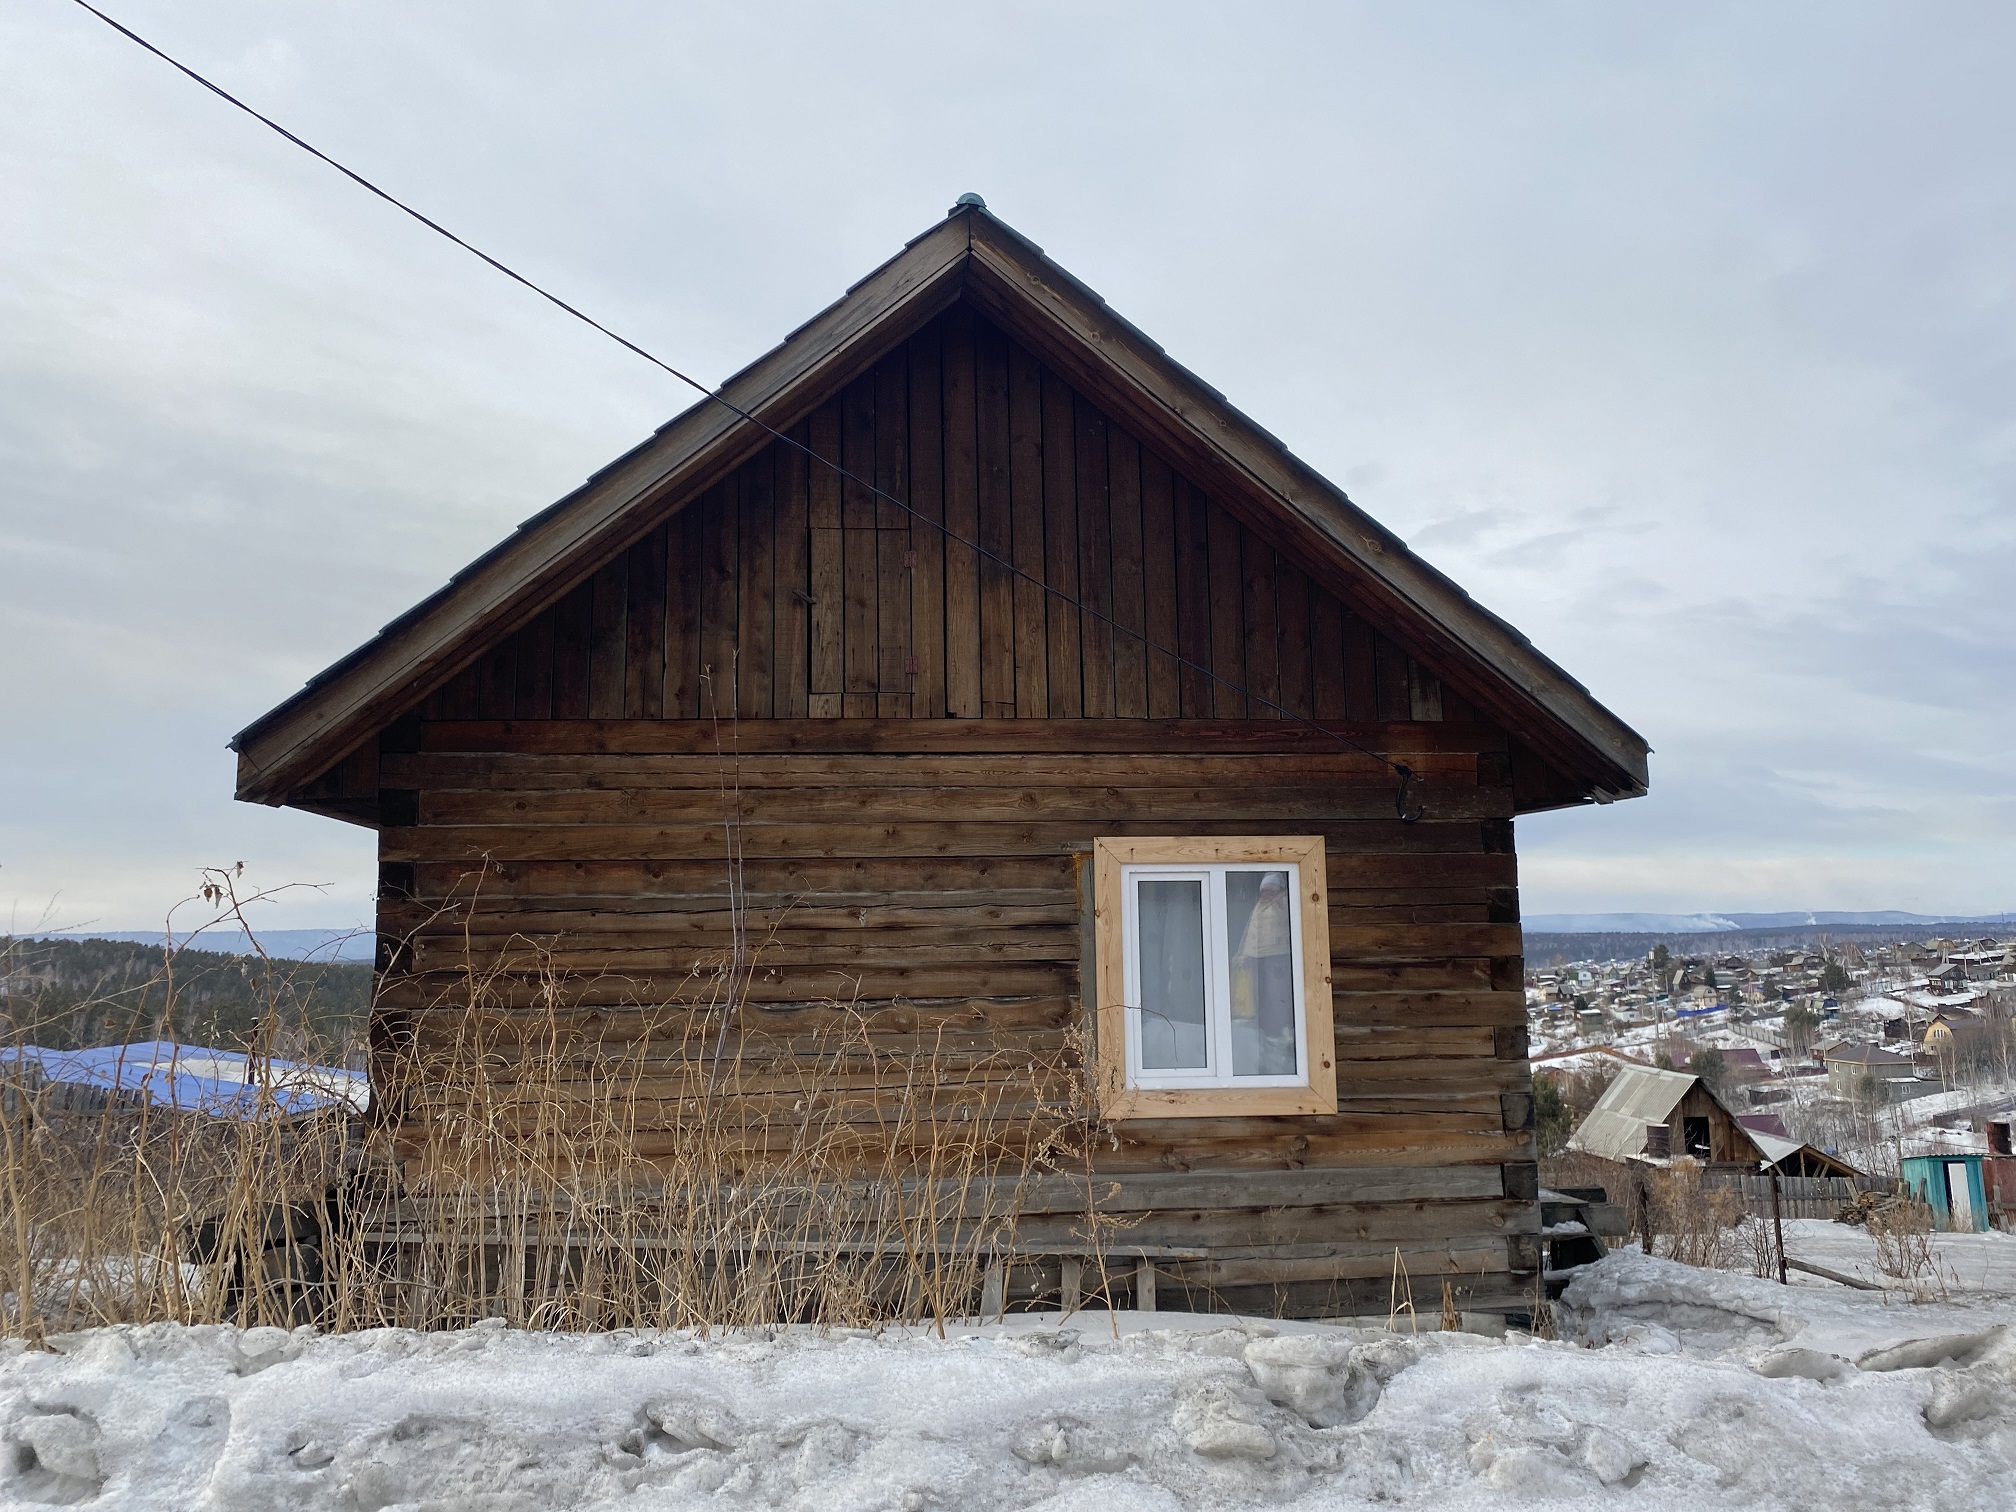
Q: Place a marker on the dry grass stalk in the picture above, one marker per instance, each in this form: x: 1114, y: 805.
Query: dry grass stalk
x: 694, y: 1163
x: 1696, y: 1221
x: 1902, y: 1232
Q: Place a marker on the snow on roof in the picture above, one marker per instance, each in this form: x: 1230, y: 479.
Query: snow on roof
x: 194, y: 1079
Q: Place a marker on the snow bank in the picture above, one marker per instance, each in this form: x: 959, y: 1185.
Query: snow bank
x: 1681, y: 1388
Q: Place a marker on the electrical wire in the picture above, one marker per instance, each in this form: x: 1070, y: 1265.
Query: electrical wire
x: 1400, y: 769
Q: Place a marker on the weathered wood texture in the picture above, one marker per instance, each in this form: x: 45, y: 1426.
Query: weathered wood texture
x: 789, y: 591
x: 938, y: 889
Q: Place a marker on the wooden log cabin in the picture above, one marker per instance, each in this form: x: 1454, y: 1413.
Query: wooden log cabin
x: 1063, y: 698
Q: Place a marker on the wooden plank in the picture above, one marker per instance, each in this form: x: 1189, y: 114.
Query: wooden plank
x: 1316, y: 1187
x: 572, y: 618
x: 772, y: 984
x: 1339, y: 1224
x: 927, y: 544
x: 857, y: 518
x: 1063, y: 642
x: 607, y: 641
x: 891, y: 470
x: 1390, y: 679
x: 683, y: 578
x: 755, y: 651
x: 962, y: 520
x: 1361, y: 672
x: 1228, y: 640
x: 1291, y: 612
x: 978, y: 839
x: 719, y: 582
x: 1129, y: 580
x: 534, y: 699
x: 1017, y: 881
x: 644, y: 629
x: 1192, y: 516
x: 497, y: 681
x: 792, y: 598
x: 1008, y: 736
x: 1159, y: 585
x: 1144, y: 1285
x: 1025, y: 492
x: 1326, y: 656
x: 1424, y: 693
x: 894, y: 562
x: 1427, y: 1266
x: 534, y: 772
x: 828, y: 675
x: 1262, y: 627
x: 997, y: 527
x: 1095, y: 563
x: 1265, y: 808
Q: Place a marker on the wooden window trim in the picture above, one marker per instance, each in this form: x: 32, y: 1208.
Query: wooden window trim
x: 1118, y: 1100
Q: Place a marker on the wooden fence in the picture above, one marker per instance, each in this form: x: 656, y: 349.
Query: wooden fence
x: 1798, y: 1196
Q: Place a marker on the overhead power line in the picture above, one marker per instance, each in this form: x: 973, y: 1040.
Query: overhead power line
x: 1400, y: 769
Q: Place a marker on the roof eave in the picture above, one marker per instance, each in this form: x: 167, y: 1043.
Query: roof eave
x: 1195, y: 421
x: 416, y: 651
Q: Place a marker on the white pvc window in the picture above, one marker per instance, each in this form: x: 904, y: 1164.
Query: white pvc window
x: 1214, y: 975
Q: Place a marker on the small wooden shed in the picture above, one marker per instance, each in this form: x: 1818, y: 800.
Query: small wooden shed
x: 1062, y: 700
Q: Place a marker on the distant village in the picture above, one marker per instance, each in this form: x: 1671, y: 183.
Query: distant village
x: 1881, y: 1058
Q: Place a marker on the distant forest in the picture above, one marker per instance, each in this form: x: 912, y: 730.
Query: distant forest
x: 1560, y: 949
x: 69, y: 994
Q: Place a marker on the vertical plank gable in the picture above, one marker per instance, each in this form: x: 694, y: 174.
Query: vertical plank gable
x: 1048, y: 565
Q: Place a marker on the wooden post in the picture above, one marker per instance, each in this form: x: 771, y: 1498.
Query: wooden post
x: 1073, y: 1283
x: 994, y: 1291
x: 1144, y: 1285
x: 1778, y: 1227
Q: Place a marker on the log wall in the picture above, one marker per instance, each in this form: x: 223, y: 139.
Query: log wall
x: 930, y: 875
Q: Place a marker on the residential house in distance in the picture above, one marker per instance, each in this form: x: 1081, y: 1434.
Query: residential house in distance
x: 1649, y: 1116
x: 1851, y: 1067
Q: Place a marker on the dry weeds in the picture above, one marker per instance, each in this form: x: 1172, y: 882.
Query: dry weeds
x: 692, y: 1163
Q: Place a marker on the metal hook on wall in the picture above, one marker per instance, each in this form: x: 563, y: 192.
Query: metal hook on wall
x: 1400, y: 798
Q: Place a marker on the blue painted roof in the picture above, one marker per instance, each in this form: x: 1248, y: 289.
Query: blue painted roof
x: 196, y: 1079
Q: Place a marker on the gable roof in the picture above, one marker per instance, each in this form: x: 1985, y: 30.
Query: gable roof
x: 974, y: 256
x: 1640, y: 1096
x: 1859, y: 1054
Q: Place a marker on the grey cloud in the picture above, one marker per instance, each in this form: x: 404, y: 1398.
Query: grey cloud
x: 1685, y: 340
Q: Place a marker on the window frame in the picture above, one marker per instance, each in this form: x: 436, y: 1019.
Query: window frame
x: 1122, y: 1090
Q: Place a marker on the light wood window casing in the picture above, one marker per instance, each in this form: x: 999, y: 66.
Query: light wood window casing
x: 1200, y: 1081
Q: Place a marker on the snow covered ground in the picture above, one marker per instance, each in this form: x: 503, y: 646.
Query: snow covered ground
x: 1963, y: 1264
x: 1676, y: 1388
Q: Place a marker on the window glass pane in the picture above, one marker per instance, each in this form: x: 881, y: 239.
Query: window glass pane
x: 1170, y: 916
x: 1263, y: 973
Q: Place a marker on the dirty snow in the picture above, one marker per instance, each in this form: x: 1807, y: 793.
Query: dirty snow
x: 1674, y: 1388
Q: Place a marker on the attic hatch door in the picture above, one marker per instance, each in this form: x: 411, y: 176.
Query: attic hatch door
x: 1694, y: 1133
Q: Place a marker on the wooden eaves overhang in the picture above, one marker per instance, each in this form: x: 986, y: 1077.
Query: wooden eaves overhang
x: 971, y: 254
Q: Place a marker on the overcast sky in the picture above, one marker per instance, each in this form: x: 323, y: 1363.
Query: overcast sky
x: 1682, y: 336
